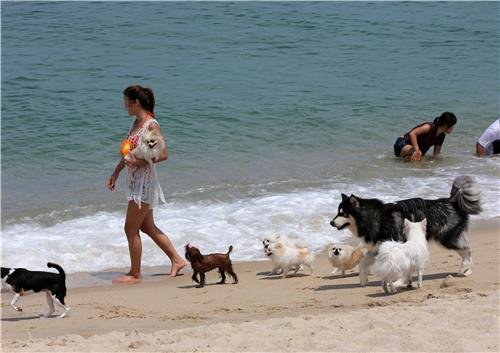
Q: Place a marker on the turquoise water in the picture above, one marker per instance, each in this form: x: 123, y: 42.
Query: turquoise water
x: 270, y: 110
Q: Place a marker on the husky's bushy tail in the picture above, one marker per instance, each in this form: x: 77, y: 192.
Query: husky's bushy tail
x: 465, y: 193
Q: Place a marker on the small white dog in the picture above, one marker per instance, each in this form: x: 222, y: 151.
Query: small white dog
x: 397, y: 260
x: 344, y: 257
x: 150, y: 146
x: 284, y: 240
x: 286, y: 256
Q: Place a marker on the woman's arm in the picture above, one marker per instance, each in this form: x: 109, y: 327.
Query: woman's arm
x: 112, y: 179
x: 479, y: 150
x: 417, y: 154
x: 437, y: 151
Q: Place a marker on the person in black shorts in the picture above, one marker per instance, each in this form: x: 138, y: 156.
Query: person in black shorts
x: 416, y: 142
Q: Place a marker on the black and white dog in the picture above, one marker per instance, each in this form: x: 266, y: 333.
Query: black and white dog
x: 21, y: 280
x: 447, y: 221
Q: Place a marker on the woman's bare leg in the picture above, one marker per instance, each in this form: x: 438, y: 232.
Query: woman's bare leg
x: 133, y: 221
x: 162, y: 240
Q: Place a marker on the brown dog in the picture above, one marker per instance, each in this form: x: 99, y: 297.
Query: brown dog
x: 204, y: 263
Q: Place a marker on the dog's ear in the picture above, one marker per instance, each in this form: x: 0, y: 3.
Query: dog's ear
x: 354, y: 200
x: 424, y: 224
x: 344, y: 197
x: 406, y: 225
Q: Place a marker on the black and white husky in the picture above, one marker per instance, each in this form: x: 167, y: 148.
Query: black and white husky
x: 447, y: 221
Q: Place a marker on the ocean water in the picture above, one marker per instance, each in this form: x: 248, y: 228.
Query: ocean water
x: 271, y: 110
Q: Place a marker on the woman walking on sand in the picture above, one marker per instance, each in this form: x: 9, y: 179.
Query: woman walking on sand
x: 144, y: 191
x: 415, y: 143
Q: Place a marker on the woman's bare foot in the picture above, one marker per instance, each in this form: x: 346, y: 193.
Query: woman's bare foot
x: 127, y: 279
x: 176, y: 267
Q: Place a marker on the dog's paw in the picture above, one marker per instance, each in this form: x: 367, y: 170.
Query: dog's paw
x: 466, y: 272
x: 391, y: 289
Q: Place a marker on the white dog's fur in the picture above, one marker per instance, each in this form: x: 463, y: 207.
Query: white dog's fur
x: 397, y: 260
x: 286, y: 256
x: 150, y: 146
x: 284, y: 240
x: 344, y: 257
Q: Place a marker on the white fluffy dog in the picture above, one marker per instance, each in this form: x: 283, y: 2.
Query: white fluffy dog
x: 344, y: 257
x: 150, y: 146
x: 284, y: 240
x: 288, y: 256
x: 397, y: 260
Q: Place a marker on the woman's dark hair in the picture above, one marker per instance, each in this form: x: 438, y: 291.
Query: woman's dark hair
x: 144, y: 95
x: 447, y: 118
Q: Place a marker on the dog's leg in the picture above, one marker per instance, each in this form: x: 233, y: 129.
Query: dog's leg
x: 364, y: 267
x: 310, y: 268
x: 194, y: 277
x: 202, y: 280
x: 466, y: 266
x: 60, y: 302
x: 233, y: 274
x: 14, y: 301
x: 461, y: 245
x: 384, y: 286
x: 408, y: 281
x: 343, y: 273
x: 334, y: 271
x: 285, y: 271
x: 50, y: 303
x: 420, y: 277
x: 222, y: 274
x: 390, y: 288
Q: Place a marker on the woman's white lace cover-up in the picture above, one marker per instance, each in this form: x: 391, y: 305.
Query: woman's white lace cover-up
x: 143, y: 183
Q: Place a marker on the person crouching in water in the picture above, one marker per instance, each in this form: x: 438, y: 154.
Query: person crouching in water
x: 415, y: 143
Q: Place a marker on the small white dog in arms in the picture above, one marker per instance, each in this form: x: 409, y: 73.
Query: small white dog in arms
x: 286, y: 257
x: 398, y: 261
x: 150, y: 146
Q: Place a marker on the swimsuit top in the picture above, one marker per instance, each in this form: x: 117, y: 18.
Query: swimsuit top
x: 425, y: 141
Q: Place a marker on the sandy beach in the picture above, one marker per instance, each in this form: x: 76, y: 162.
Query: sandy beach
x: 318, y: 312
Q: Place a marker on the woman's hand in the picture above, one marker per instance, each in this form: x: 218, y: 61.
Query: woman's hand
x: 112, y: 182
x: 416, y: 156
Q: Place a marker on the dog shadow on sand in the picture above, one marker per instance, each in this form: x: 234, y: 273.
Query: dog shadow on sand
x: 24, y: 318
x: 270, y: 276
x: 377, y: 283
x: 432, y: 276
x: 195, y: 285
x: 354, y: 274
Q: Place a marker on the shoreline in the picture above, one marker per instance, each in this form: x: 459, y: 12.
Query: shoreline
x: 268, y: 313
x: 158, y: 273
